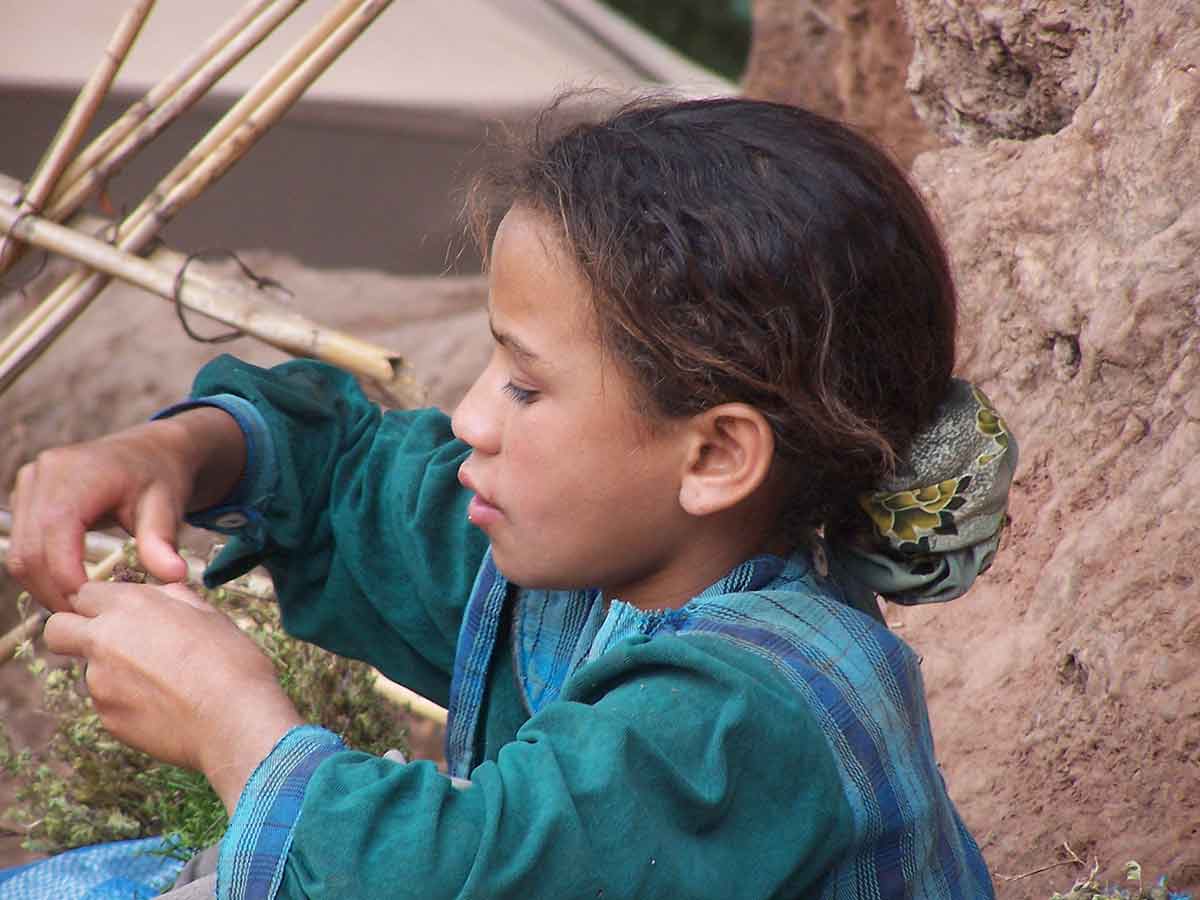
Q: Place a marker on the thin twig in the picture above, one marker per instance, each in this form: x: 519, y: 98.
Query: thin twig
x: 249, y: 585
x: 1074, y: 860
x: 79, y: 118
x: 103, y: 570
x: 15, y: 830
x: 26, y: 630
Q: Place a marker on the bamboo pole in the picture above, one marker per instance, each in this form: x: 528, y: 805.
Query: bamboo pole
x: 281, y: 328
x: 165, y: 103
x: 79, y: 289
x: 184, y: 74
x: 240, y: 129
x: 79, y: 118
x: 417, y: 704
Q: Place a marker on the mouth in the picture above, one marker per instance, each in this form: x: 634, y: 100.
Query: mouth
x: 481, y: 511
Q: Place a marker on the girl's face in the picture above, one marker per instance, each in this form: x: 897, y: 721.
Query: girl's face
x: 571, y: 485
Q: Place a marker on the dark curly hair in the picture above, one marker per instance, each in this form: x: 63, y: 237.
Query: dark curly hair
x: 739, y: 250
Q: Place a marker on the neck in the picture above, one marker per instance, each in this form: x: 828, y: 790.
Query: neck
x: 705, y: 558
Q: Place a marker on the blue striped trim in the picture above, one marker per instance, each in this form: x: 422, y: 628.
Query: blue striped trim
x: 255, y: 847
x: 472, y: 658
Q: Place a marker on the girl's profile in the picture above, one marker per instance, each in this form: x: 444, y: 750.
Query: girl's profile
x: 639, y: 563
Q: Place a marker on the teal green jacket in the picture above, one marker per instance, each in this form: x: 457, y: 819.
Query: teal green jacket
x: 767, y: 739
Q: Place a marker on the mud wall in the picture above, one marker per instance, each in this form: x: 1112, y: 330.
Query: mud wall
x: 1065, y: 689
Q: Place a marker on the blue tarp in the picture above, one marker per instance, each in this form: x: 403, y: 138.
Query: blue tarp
x: 125, y: 870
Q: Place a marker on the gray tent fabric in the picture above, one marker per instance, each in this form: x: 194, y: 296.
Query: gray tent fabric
x: 483, y: 57
x: 368, y: 170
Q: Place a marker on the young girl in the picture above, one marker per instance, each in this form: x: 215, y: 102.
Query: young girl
x: 639, y: 564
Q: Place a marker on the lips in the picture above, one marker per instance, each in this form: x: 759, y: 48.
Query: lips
x: 481, y: 511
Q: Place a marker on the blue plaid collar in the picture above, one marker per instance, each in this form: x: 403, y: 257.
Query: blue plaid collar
x: 556, y: 632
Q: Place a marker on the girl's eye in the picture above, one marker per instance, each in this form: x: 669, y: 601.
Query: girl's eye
x: 524, y: 396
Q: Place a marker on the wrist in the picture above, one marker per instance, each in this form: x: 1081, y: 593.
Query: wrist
x: 229, y: 765
x: 211, y: 449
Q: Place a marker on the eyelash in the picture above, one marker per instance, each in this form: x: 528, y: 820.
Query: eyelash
x: 523, y: 396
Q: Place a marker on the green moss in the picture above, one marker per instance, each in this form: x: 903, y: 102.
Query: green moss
x: 87, y: 788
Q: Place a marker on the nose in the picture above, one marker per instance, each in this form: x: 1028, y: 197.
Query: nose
x: 475, y: 421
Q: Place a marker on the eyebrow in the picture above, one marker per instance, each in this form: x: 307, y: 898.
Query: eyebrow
x: 514, y: 345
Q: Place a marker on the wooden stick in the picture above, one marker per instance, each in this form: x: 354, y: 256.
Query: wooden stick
x: 1074, y: 860
x: 241, y: 112
x: 168, y: 100
x: 165, y: 89
x: 193, y: 175
x: 62, y: 306
x: 32, y: 626
x: 28, y: 630
x: 243, y: 309
x: 79, y: 118
x: 402, y: 696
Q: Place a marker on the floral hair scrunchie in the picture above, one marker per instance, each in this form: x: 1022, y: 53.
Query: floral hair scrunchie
x: 930, y: 530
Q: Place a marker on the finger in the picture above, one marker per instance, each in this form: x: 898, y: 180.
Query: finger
x: 47, y: 554
x: 186, y: 595
x: 64, y: 555
x: 68, y: 634
x: 97, y: 597
x: 155, y: 526
x: 17, y: 562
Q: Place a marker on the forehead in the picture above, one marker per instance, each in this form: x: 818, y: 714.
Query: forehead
x: 533, y: 282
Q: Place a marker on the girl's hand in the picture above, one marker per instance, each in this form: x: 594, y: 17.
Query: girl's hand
x: 174, y: 677
x: 145, y: 478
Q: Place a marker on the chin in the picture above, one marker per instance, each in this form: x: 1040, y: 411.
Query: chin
x: 528, y: 574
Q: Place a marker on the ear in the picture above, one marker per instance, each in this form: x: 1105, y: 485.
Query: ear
x: 729, y: 453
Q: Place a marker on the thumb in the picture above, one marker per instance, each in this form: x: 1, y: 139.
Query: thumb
x: 155, y: 525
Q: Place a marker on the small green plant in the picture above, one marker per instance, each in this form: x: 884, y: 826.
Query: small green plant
x: 1089, y: 888
x: 87, y: 788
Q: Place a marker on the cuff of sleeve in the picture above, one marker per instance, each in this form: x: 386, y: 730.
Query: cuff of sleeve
x: 240, y: 513
x: 255, y: 846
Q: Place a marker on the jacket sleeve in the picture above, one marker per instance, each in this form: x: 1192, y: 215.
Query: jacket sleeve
x: 673, y: 768
x: 357, y: 514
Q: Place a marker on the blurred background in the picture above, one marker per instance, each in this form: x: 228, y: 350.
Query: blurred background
x: 367, y: 170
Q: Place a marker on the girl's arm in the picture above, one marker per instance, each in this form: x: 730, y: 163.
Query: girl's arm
x: 357, y: 514
x: 669, y: 770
